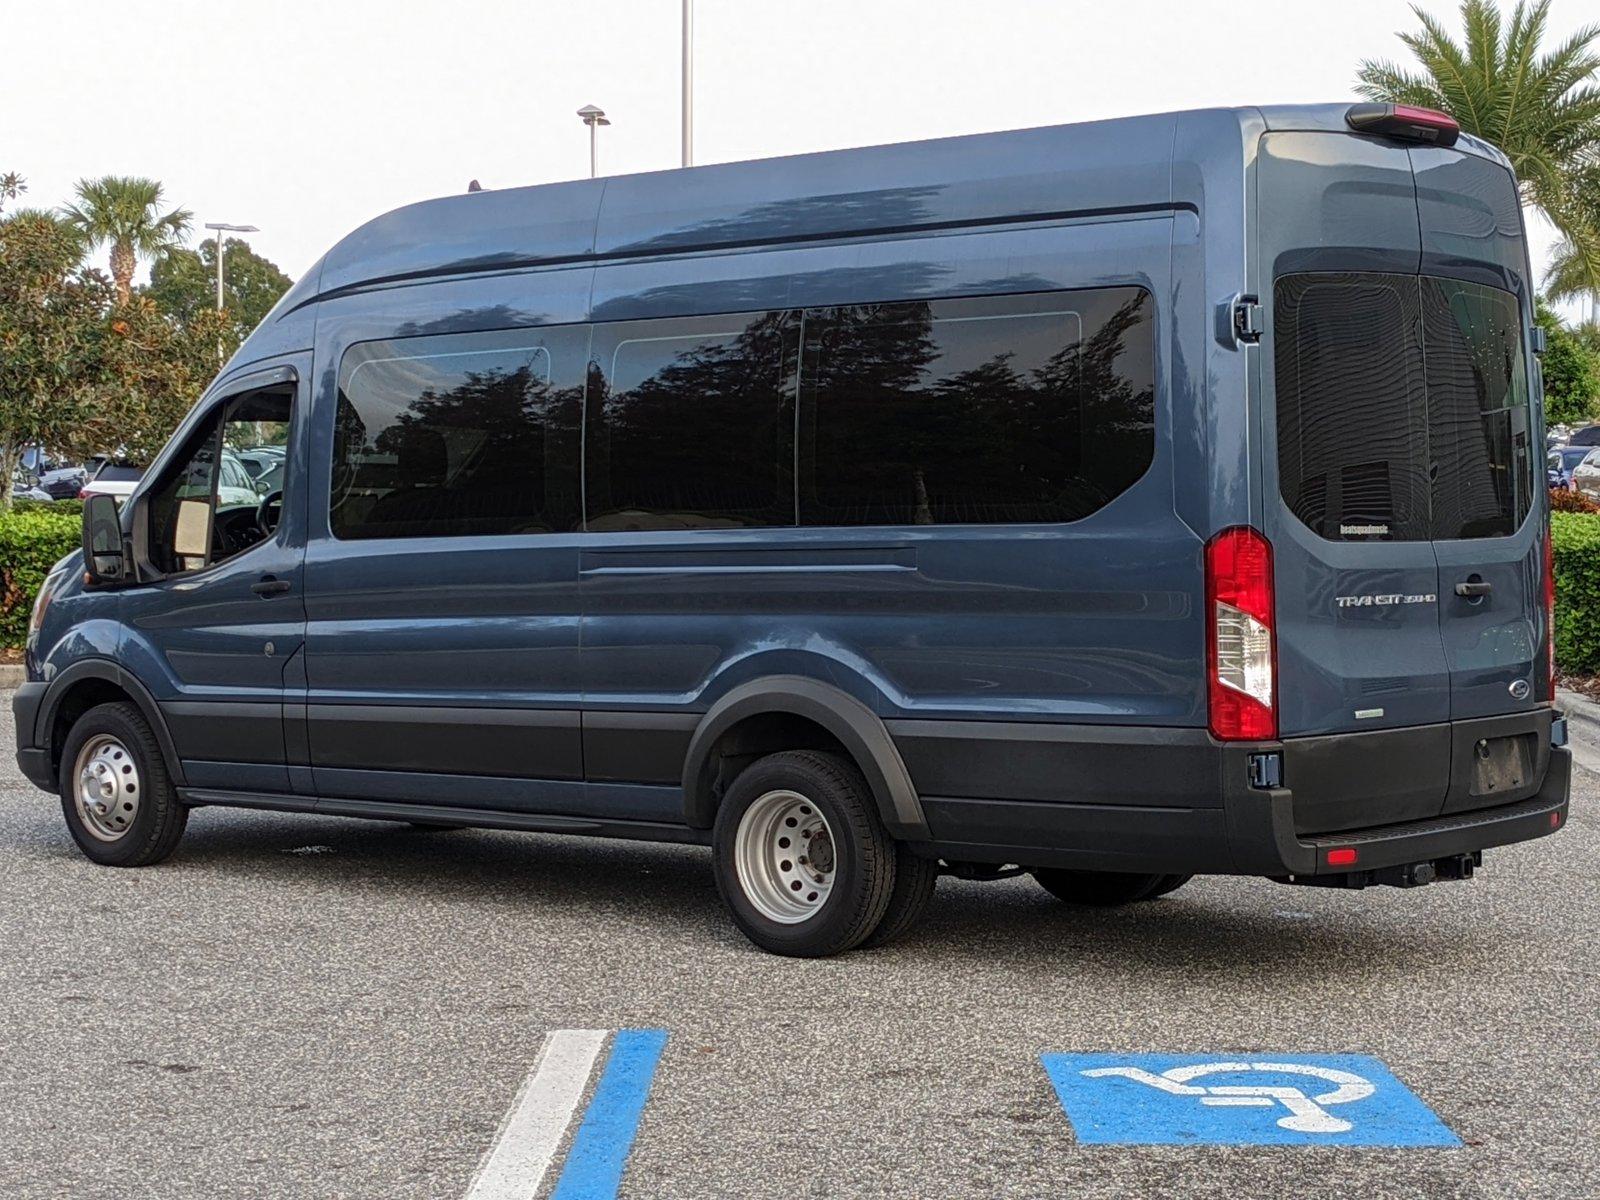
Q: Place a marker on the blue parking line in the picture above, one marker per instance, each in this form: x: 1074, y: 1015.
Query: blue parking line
x: 600, y: 1150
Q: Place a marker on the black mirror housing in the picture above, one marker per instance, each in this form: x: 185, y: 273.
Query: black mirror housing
x: 104, y: 559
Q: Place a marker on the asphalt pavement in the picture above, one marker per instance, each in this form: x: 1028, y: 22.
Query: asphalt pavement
x: 299, y: 1006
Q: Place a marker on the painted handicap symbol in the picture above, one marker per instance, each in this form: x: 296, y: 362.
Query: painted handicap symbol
x: 1307, y: 1114
x: 1194, y: 1099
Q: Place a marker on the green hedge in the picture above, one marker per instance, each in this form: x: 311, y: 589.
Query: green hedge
x: 32, y: 538
x: 1576, y: 537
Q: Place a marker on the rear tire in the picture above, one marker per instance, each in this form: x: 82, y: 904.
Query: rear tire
x: 914, y: 881
x: 1106, y: 889
x: 801, y: 858
x: 117, y: 798
x: 1171, y: 883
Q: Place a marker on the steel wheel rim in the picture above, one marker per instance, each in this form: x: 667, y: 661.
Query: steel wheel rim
x: 108, y: 789
x: 785, y: 857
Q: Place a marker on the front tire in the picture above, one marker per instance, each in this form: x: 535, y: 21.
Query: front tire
x: 117, y: 798
x: 801, y: 858
x: 1106, y: 889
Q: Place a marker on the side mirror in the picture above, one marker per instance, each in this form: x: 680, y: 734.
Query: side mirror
x: 102, y: 541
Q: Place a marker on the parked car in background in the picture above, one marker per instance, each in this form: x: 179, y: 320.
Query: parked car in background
x: 1589, y: 435
x: 114, y: 479
x: 259, y: 460
x: 1561, y: 462
x: 1586, y: 475
x: 64, y: 483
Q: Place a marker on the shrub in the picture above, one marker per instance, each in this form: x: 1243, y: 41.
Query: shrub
x: 1571, y: 373
x: 1567, y: 500
x: 1576, y: 538
x: 32, y: 538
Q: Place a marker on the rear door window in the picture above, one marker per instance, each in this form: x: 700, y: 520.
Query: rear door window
x: 1402, y: 407
x: 1477, y: 409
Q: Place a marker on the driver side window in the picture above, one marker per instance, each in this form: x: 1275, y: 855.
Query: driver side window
x: 210, y: 505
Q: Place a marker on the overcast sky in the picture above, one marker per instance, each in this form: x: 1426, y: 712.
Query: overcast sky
x: 307, y: 117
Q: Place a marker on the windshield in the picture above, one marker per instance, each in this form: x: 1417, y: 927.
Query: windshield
x: 1403, y: 407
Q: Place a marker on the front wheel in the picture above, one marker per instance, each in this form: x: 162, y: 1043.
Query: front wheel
x: 801, y: 858
x: 120, y: 805
x: 1106, y: 889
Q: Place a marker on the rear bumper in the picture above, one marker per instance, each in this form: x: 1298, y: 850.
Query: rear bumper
x: 1267, y: 843
x: 1175, y: 800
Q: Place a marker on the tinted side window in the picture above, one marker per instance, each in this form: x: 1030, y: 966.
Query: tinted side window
x: 689, y: 423
x: 456, y: 436
x: 1034, y: 408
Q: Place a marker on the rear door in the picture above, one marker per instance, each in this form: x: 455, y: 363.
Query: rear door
x: 1345, y: 482
x: 1475, y: 309
x: 1398, y: 461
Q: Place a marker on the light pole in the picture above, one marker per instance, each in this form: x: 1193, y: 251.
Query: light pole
x: 219, y: 229
x: 594, y: 118
x: 688, y: 83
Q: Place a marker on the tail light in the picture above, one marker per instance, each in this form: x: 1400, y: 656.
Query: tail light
x: 1549, y: 617
x: 1241, y: 646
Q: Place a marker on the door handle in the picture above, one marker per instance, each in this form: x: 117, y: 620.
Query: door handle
x: 268, y: 586
x: 1477, y: 587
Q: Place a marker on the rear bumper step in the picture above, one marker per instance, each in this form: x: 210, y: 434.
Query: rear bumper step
x: 1441, y: 842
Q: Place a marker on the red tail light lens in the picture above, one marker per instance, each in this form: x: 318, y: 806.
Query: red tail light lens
x: 1241, y: 642
x: 1549, y: 618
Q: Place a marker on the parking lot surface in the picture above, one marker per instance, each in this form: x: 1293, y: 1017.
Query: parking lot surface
x: 311, y: 1006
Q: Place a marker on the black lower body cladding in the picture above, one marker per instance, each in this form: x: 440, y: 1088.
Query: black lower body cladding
x: 1119, y: 798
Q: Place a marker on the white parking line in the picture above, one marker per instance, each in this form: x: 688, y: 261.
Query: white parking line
x: 530, y: 1136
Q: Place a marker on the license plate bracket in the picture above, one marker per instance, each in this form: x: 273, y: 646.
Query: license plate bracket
x: 1501, y: 764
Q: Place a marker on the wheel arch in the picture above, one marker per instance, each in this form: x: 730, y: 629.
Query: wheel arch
x: 757, y: 716
x: 93, y: 681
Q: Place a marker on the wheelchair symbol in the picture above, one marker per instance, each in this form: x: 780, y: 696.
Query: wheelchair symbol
x: 1307, y: 1114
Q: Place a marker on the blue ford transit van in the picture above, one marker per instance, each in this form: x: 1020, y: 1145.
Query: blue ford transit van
x: 1116, y: 502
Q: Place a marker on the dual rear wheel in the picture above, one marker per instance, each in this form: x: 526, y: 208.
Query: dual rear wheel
x: 805, y: 865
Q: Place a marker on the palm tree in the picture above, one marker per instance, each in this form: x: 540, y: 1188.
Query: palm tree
x: 125, y: 211
x: 1542, y: 110
x: 12, y: 185
x: 1575, y: 262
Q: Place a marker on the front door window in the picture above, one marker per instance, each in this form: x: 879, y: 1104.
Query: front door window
x: 208, y: 506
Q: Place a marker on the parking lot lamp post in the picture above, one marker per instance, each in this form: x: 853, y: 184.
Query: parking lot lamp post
x: 594, y: 118
x: 219, y: 229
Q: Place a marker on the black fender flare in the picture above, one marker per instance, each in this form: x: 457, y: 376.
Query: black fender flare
x: 860, y: 730
x: 110, y: 672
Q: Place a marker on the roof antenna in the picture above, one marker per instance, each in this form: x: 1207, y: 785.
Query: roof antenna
x: 474, y: 186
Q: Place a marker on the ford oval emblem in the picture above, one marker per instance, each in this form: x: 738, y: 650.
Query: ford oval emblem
x: 1519, y: 689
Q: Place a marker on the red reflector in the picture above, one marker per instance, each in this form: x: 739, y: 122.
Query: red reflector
x: 1404, y: 121
x: 1555, y: 820
x: 1343, y: 857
